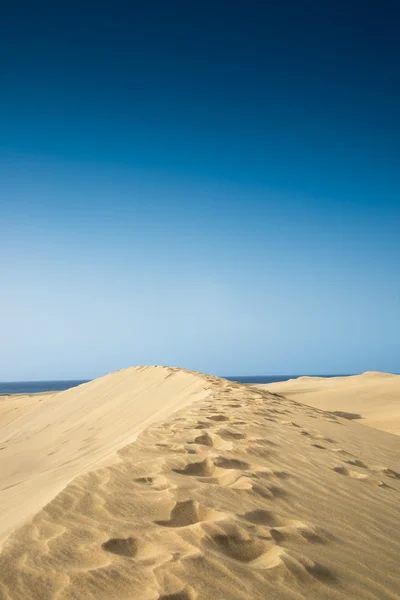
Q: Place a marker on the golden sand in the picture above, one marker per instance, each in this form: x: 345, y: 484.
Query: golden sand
x: 162, y: 484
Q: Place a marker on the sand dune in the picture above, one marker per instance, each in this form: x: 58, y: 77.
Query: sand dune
x: 241, y: 494
x: 13, y: 406
x: 73, y: 431
x: 372, y: 397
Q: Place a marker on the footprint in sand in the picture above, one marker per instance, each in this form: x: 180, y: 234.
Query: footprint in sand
x: 189, y: 513
x: 300, y: 531
x: 260, y: 451
x: 205, y: 440
x: 384, y: 470
x: 391, y: 473
x: 263, y: 553
x: 267, y: 473
x: 223, y: 471
x: 231, y: 463
x: 202, y: 425
x: 357, y: 463
x: 228, y: 434
x: 272, y: 492
x: 187, y: 593
x: 239, y: 546
x: 218, y: 417
x: 204, y: 468
x: 157, y: 482
x: 145, y: 480
x: 352, y: 474
x: 263, y: 517
x: 317, y: 570
x: 122, y: 546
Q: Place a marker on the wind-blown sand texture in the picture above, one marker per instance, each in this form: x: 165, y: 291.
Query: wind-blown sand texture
x: 373, y: 398
x: 241, y: 494
x: 13, y: 406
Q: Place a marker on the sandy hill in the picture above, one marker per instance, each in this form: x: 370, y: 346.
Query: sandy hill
x: 71, y: 432
x: 162, y: 484
x: 372, y: 397
x: 13, y: 406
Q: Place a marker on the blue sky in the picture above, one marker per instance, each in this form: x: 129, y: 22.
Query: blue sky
x: 214, y: 187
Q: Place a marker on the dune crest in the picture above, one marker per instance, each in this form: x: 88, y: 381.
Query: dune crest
x: 377, y: 374
x: 70, y: 432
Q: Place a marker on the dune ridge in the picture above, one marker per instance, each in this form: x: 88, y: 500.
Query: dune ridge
x: 229, y: 492
x: 75, y: 430
x: 372, y: 397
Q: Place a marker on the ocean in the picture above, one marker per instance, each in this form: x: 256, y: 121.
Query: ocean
x: 31, y: 387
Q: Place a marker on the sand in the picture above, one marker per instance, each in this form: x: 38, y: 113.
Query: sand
x: 371, y: 398
x: 163, y: 484
x: 13, y: 406
x: 78, y: 429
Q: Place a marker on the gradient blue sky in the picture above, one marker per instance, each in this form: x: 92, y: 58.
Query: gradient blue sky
x: 212, y: 185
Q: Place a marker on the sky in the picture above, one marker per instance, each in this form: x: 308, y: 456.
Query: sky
x: 211, y: 185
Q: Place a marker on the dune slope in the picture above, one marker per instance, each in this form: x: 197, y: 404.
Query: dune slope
x: 241, y: 494
x: 73, y: 431
x: 14, y: 406
x: 372, y: 397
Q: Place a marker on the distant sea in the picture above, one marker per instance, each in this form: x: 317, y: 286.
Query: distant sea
x: 31, y: 387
